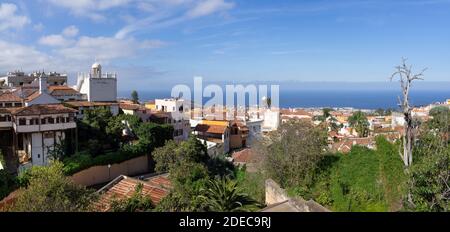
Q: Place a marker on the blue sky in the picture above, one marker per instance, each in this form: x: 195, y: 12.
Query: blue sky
x: 158, y: 43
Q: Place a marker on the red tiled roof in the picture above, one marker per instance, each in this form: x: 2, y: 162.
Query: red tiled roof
x: 10, y: 97
x: 43, y: 109
x: 213, y: 129
x: 89, y: 104
x: 127, y: 106
x: 33, y: 96
x: 58, y: 90
x: 346, y: 145
x: 26, y: 91
x: 299, y: 112
x: 244, y: 156
x: 123, y: 187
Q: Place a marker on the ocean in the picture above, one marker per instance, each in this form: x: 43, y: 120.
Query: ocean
x: 360, y: 99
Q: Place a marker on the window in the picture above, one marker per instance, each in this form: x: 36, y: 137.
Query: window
x: 43, y: 121
x: 7, y: 105
x: 2, y: 118
x: 18, y: 104
x: 22, y: 122
x: 50, y: 120
x: 34, y: 121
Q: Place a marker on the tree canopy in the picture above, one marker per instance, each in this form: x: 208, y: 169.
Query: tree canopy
x: 49, y: 190
x: 360, y: 123
x: 294, y: 152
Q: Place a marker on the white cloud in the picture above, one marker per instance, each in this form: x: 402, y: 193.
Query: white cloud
x: 171, y: 12
x: 207, y: 7
x: 9, y: 19
x: 70, y: 31
x: 16, y: 56
x: 89, y: 8
x: 55, y: 41
x: 107, y: 48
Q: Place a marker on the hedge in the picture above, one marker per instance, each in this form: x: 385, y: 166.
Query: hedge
x: 84, y: 160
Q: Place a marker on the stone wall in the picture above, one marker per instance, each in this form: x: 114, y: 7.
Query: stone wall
x: 274, y: 193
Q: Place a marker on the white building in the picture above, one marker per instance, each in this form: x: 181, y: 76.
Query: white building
x: 96, y: 86
x: 173, y: 112
x: 271, y: 120
x: 255, y: 129
x: 217, y: 135
x: 181, y: 127
x: 398, y: 119
x: 18, y: 78
x: 170, y: 105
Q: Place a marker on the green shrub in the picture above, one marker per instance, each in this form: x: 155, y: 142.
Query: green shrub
x: 84, y: 160
x: 8, y: 183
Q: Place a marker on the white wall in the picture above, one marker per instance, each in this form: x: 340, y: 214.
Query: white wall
x: 271, y: 120
x: 99, y: 89
x: 102, y: 89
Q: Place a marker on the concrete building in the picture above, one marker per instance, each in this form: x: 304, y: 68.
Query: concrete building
x: 216, y: 133
x: 19, y: 78
x: 171, y: 105
x: 238, y: 135
x: 31, y: 132
x: 181, y: 127
x: 255, y: 129
x: 97, y: 86
x: 271, y: 120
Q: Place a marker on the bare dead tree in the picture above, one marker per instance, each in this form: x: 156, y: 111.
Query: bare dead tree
x: 406, y: 77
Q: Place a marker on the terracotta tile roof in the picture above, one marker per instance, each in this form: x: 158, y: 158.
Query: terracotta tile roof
x: 8, y: 110
x: 58, y: 90
x: 213, y: 129
x: 43, y: 109
x: 89, y: 104
x: 10, y: 97
x: 26, y: 91
x: 33, y: 96
x: 244, y: 156
x: 127, y: 106
x: 299, y: 112
x: 123, y: 187
x: 346, y: 145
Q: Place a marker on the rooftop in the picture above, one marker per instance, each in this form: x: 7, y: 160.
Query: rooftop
x: 89, y: 104
x: 10, y: 97
x: 213, y: 129
x: 43, y: 109
x: 156, y: 187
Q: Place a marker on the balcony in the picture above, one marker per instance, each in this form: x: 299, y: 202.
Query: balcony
x: 6, y: 124
x: 44, y: 127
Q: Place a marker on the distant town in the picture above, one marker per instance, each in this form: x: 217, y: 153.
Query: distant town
x: 39, y: 112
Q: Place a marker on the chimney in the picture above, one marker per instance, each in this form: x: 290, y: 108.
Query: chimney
x: 42, y: 84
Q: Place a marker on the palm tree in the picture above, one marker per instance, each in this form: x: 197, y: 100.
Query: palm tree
x: 359, y: 121
x: 224, y: 195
